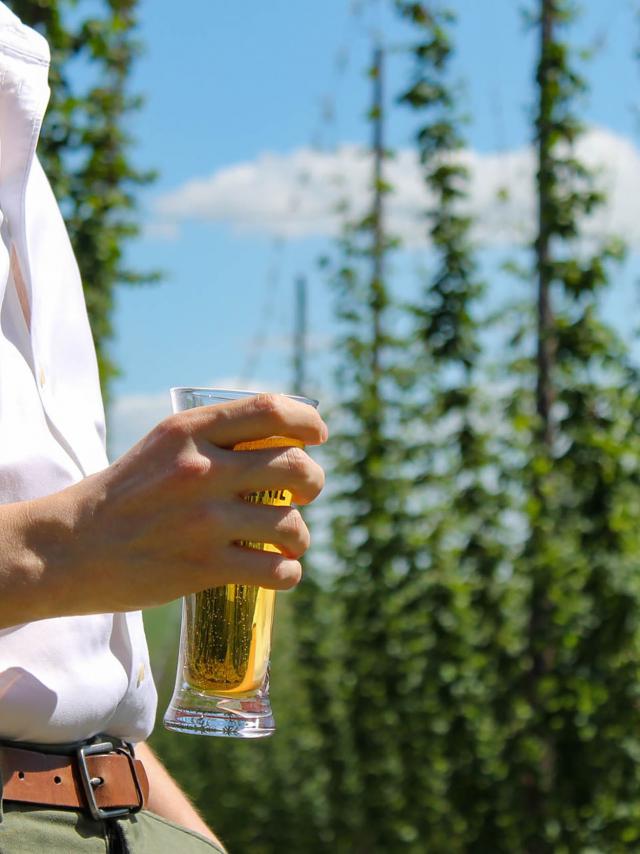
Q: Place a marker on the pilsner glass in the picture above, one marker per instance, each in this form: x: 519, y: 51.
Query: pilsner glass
x: 222, y: 681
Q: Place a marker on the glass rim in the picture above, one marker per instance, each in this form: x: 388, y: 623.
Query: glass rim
x: 236, y: 394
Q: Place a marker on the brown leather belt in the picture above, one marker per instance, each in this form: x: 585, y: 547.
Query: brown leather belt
x: 102, y: 778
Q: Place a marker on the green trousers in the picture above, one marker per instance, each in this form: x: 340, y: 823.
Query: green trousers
x: 34, y: 830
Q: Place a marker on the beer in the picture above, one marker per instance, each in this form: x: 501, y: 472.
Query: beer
x: 228, y: 634
x: 229, y: 639
x: 222, y: 679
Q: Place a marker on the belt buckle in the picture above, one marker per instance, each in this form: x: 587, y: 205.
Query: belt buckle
x: 101, y: 749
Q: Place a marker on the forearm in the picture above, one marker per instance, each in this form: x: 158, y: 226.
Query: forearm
x: 165, y: 519
x: 166, y: 799
x: 31, y: 586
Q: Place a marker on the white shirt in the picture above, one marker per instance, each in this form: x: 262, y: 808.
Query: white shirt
x: 71, y: 677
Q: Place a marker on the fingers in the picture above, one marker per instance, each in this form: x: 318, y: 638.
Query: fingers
x: 242, y: 522
x: 254, y: 418
x: 278, y: 468
x: 258, y: 568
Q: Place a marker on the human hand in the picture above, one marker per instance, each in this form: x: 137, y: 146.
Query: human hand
x: 168, y: 517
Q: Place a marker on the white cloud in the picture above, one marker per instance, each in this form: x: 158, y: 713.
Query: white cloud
x: 292, y: 195
x: 161, y: 230
x: 298, y: 194
x: 130, y: 417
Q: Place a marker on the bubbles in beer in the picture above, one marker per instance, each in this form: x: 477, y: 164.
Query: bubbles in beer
x: 228, y: 642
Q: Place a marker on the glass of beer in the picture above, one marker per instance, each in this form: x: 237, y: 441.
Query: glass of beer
x: 222, y: 681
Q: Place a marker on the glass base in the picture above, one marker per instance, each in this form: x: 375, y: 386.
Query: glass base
x: 202, y: 714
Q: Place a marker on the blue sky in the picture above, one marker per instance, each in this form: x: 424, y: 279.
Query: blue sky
x: 234, y: 96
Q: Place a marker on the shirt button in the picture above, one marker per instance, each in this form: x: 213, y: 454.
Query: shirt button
x: 42, y: 378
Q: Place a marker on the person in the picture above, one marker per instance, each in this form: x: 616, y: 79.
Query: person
x: 85, y: 545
